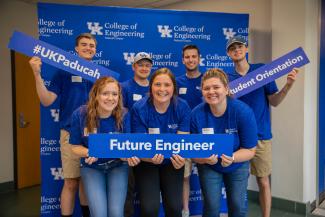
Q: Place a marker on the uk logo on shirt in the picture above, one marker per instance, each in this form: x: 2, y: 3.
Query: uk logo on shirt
x: 172, y: 126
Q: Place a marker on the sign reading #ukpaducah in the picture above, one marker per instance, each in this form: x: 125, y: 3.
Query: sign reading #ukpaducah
x: 58, y: 58
x: 268, y: 73
x: 147, y: 145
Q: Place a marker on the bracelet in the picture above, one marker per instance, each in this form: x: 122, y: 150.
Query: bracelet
x: 233, y: 158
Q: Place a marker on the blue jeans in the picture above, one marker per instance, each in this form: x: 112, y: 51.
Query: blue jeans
x: 106, y: 186
x: 236, y: 188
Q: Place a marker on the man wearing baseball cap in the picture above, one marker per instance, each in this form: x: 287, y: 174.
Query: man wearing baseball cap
x: 132, y: 91
x: 259, y: 100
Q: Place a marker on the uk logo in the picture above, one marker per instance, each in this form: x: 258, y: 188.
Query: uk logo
x: 129, y: 58
x: 164, y: 31
x: 57, y: 173
x: 202, y: 61
x: 95, y: 28
x: 228, y: 32
x: 55, y: 113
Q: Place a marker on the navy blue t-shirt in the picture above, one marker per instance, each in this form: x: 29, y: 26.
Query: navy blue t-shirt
x: 79, y: 132
x: 259, y: 102
x: 73, y: 92
x: 132, y: 92
x: 189, y: 89
x: 238, y: 120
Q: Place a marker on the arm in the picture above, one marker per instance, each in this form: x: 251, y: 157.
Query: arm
x: 277, y: 98
x: 46, y: 97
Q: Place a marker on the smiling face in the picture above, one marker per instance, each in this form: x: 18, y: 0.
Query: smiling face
x: 86, y: 48
x: 162, y: 89
x: 191, y: 59
x: 237, y: 52
x: 142, y: 69
x: 107, y: 99
x: 214, y: 91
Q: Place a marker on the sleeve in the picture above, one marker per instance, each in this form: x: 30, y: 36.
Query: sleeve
x: 127, y: 123
x: 56, y: 83
x: 137, y: 123
x: 193, y: 123
x: 185, y: 117
x: 271, y: 88
x: 75, y: 129
x: 247, y: 128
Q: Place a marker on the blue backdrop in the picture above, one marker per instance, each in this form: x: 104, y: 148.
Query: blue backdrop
x: 121, y: 33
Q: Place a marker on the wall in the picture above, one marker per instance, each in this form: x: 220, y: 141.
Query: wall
x: 23, y: 17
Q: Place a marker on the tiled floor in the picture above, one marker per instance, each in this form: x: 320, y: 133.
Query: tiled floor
x: 26, y: 203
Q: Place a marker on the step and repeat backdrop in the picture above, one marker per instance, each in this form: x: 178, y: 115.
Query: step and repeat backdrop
x: 121, y: 33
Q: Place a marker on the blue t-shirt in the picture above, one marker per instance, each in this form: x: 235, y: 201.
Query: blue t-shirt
x: 145, y: 118
x: 189, y: 89
x: 73, y: 92
x: 238, y: 120
x: 79, y: 132
x: 132, y: 92
x: 259, y: 102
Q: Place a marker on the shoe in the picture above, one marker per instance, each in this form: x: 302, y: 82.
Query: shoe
x: 185, y: 213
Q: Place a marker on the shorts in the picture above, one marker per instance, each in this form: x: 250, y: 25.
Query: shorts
x: 261, y: 164
x: 188, y: 167
x: 70, y: 161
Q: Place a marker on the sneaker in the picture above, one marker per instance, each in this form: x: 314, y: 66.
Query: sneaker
x: 185, y: 213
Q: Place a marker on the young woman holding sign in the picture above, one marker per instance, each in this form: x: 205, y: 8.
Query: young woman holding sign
x: 222, y: 114
x: 105, y: 179
x: 160, y: 112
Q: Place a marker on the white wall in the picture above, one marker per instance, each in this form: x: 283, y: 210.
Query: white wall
x: 23, y: 17
x: 294, y: 121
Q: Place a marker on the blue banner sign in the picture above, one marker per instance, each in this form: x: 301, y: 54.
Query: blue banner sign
x: 58, y: 58
x: 147, y: 145
x: 268, y: 73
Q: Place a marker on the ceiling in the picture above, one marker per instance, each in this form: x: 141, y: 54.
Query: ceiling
x: 123, y: 3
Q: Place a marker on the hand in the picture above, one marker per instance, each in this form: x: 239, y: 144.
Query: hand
x: 177, y: 161
x: 292, y: 76
x: 227, y: 160
x: 212, y: 160
x: 133, y: 161
x: 91, y: 160
x: 35, y: 63
x: 157, y: 159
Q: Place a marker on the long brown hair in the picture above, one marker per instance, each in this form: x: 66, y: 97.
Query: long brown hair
x: 92, y: 120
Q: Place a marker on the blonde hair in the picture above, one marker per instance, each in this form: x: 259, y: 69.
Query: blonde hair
x: 92, y: 120
x: 215, y: 73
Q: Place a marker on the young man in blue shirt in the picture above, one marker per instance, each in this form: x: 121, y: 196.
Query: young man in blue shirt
x: 137, y: 87
x: 259, y: 100
x: 73, y: 91
x: 189, y: 89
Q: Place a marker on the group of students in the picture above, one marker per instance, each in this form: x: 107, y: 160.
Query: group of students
x: 196, y: 103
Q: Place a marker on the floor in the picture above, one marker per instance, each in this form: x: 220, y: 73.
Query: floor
x: 26, y: 203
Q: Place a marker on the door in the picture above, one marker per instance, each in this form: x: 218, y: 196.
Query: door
x: 27, y: 123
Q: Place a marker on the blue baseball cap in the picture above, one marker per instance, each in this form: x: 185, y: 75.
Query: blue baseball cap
x: 236, y: 39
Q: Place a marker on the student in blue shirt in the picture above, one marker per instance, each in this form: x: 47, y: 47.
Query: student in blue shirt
x: 160, y: 112
x: 259, y: 100
x: 105, y: 179
x: 136, y: 88
x: 133, y: 90
x: 73, y: 92
x: 222, y: 114
x: 189, y: 89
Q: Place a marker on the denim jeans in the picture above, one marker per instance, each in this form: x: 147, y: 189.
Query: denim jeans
x: 236, y: 188
x: 106, y: 186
